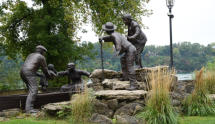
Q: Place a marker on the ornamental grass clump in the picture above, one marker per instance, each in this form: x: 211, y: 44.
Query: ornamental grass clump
x: 198, y: 103
x: 209, y: 79
x: 82, y: 106
x: 159, y: 109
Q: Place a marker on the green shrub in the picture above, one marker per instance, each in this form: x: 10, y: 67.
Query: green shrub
x: 65, y: 112
x: 198, y: 103
x: 158, y: 109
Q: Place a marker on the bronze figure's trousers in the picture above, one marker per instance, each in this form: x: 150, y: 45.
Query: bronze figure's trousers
x: 127, y: 64
x: 31, y: 83
x: 138, y: 58
x: 74, y: 87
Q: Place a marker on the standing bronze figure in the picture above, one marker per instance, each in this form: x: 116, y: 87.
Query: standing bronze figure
x: 124, y: 48
x: 73, y: 74
x: 28, y: 73
x: 136, y: 37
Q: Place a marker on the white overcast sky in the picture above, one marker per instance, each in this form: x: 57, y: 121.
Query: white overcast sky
x: 194, y: 21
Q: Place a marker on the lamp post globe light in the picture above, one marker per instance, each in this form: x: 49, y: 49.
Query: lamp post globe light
x: 170, y: 4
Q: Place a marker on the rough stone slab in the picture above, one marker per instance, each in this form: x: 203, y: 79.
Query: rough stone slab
x: 56, y: 106
x: 115, y: 84
x: 3, y: 119
x: 142, y: 74
x: 150, y: 69
x: 121, y: 94
x: 10, y: 112
x: 109, y: 74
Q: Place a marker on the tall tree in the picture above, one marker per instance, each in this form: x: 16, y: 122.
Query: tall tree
x: 54, y: 24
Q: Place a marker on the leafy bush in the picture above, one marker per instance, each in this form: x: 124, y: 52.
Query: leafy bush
x: 158, y: 108
x: 65, y: 112
x: 198, y: 103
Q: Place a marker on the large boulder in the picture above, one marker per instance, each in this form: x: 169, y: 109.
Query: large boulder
x: 100, y: 119
x: 129, y: 109
x: 121, y: 94
x: 113, y: 104
x: 181, y: 90
x: 102, y: 108
x: 185, y: 86
x: 126, y: 119
x: 115, y: 84
x: 143, y: 74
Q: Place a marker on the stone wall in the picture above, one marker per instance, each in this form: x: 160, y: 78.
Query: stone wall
x: 113, y: 101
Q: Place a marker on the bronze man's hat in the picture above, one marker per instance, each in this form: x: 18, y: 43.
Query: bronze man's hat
x: 41, y: 47
x: 126, y: 16
x: 109, y: 26
x: 70, y: 64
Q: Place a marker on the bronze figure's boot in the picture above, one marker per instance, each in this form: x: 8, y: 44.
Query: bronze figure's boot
x: 133, y: 86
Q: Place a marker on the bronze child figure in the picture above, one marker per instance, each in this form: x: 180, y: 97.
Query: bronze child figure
x: 43, y: 79
x: 126, y: 49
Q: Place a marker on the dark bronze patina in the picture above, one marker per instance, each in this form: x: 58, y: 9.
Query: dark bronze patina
x: 136, y: 37
x: 28, y: 73
x: 124, y: 48
x: 74, y: 75
x: 43, y: 79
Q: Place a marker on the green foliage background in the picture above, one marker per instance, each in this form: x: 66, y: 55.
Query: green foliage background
x: 54, y: 24
x: 188, y: 57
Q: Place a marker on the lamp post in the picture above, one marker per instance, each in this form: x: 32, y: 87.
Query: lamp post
x: 170, y: 4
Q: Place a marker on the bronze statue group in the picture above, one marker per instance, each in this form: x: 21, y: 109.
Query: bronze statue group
x: 129, y: 49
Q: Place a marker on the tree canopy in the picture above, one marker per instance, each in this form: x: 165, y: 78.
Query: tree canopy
x: 54, y: 24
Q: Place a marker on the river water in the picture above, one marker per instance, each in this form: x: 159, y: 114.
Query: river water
x: 189, y: 76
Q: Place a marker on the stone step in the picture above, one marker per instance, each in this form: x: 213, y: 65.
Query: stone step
x: 121, y: 94
x: 115, y: 84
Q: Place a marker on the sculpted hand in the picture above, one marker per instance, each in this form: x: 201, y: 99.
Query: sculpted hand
x: 52, y: 74
x: 100, y: 39
x: 129, y: 38
x: 116, y: 53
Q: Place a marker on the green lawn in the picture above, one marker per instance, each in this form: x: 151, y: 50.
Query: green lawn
x: 34, y: 121
x: 197, y: 120
x: 183, y: 120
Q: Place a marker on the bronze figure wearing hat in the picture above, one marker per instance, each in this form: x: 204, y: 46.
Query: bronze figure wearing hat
x: 73, y: 75
x: 28, y: 73
x: 124, y: 48
x: 136, y: 37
